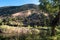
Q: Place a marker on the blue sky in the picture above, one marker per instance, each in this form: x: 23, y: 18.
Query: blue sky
x: 17, y: 2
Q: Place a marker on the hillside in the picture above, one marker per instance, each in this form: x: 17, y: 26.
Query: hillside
x: 27, y: 14
x: 9, y: 10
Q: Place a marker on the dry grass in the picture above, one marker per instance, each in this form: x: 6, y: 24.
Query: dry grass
x: 18, y: 30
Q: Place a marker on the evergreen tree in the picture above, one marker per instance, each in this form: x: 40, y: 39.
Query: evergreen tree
x: 52, y: 7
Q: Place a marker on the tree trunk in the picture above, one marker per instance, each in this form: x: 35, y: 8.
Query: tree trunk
x: 53, y: 32
x: 54, y: 23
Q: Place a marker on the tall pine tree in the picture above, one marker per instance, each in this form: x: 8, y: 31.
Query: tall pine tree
x: 52, y: 7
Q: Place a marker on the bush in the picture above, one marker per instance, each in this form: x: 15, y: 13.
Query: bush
x: 1, y: 21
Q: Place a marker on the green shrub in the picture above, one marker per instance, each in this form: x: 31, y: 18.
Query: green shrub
x: 1, y: 21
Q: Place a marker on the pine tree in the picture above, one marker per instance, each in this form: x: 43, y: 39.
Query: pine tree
x: 52, y: 7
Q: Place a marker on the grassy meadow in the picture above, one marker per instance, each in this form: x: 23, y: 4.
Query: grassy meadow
x: 27, y: 33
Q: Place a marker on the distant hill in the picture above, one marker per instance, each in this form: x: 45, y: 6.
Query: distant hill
x: 28, y: 14
x: 9, y: 10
